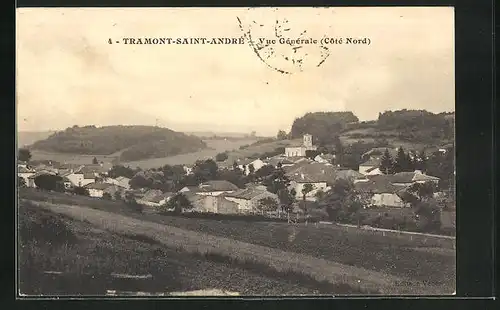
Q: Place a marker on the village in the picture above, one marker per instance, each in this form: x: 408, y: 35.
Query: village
x: 308, y: 179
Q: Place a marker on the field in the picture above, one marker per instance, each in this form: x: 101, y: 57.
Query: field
x: 370, y: 135
x: 392, y: 256
x: 214, y: 147
x: 86, y: 258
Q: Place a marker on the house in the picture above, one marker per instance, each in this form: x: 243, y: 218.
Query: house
x: 96, y: 169
x: 96, y: 189
x: 216, y: 187
x: 218, y: 204
x: 188, y: 169
x: 146, y: 197
x: 248, y: 199
x: 108, y: 180
x: 324, y: 158
x: 123, y: 182
x: 244, y: 165
x: 68, y: 167
x: 114, y: 189
x: 349, y: 175
x: 318, y: 175
x: 156, y: 200
x: 369, y: 166
x: 373, y: 171
x: 275, y: 161
x: 300, y: 150
x: 409, y: 178
x: 80, y: 178
x: 190, y: 189
x: 25, y: 173
x: 381, y: 192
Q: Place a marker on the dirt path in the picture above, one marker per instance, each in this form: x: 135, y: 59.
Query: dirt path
x: 280, y: 260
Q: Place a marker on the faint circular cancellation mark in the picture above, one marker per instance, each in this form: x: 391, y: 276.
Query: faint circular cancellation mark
x: 280, y: 44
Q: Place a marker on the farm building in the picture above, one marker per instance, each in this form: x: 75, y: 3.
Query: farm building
x: 123, y: 182
x: 409, y: 178
x: 324, y: 158
x: 97, y: 189
x: 248, y: 199
x: 25, y: 173
x: 381, y: 192
x: 80, y: 178
x: 369, y: 166
x: 216, y: 187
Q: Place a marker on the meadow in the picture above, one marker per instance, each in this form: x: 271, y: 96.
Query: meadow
x: 215, y: 146
x: 387, y: 254
x: 59, y: 255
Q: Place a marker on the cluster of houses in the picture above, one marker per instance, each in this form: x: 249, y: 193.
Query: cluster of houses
x: 219, y: 196
x: 93, y: 177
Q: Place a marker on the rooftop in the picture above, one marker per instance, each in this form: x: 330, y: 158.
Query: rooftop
x: 248, y: 193
x: 96, y: 185
x: 217, y: 186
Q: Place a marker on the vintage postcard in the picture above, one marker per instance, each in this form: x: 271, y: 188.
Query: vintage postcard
x: 235, y: 151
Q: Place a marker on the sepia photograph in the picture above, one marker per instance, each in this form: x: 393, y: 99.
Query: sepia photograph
x: 263, y: 151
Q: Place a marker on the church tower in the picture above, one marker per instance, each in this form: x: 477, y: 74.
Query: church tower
x: 308, y: 141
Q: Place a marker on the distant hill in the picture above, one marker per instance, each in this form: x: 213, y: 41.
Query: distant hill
x: 25, y: 138
x: 404, y: 127
x: 401, y: 127
x: 127, y: 142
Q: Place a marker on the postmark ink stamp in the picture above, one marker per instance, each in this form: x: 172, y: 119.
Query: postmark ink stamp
x: 281, y: 46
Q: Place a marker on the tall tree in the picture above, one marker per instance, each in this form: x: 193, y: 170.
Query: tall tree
x: 49, y: 182
x: 121, y: 171
x: 306, y: 189
x: 221, y: 157
x: 267, y: 204
x: 205, y: 170
x: 421, y: 162
x: 338, y: 151
x: 251, y: 169
x: 277, y: 181
x: 24, y: 154
x: 287, y: 198
x: 401, y: 163
x: 343, y: 202
x: 386, y: 163
x: 178, y: 203
x: 282, y: 135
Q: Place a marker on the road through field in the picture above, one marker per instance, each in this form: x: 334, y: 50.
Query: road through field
x: 280, y: 260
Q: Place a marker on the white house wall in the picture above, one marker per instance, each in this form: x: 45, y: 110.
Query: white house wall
x: 96, y: 192
x: 387, y: 200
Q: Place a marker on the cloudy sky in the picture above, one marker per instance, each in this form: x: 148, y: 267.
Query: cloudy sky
x: 68, y: 74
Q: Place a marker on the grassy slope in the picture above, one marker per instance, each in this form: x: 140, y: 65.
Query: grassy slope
x: 385, y: 254
x: 88, y: 255
x: 213, y: 148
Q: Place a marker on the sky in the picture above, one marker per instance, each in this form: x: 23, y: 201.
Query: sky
x: 68, y: 74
